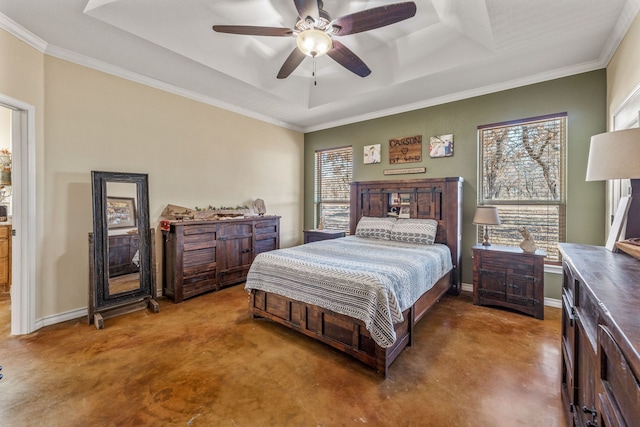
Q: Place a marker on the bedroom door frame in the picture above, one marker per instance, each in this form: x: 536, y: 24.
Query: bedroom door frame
x: 23, y: 143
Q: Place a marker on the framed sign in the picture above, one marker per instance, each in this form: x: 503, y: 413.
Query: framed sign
x: 121, y: 212
x: 405, y: 150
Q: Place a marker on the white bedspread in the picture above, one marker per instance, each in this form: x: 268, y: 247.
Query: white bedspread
x: 367, y: 279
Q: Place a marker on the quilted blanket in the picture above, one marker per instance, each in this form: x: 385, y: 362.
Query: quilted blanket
x: 368, y: 279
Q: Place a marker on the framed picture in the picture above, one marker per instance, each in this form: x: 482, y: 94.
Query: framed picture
x: 441, y: 146
x: 371, y: 154
x: 121, y: 212
x: 405, y: 212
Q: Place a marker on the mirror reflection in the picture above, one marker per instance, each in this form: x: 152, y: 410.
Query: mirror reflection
x: 122, y: 225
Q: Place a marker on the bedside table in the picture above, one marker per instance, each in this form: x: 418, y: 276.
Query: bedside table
x: 316, y: 235
x: 509, y: 277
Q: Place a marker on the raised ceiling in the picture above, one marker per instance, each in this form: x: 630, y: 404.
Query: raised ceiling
x: 451, y: 49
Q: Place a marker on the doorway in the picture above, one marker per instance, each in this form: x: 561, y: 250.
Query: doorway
x: 23, y: 214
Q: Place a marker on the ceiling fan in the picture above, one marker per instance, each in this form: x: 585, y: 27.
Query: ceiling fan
x: 315, y: 30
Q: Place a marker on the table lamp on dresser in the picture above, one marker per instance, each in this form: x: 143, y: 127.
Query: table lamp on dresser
x: 486, y: 216
x: 616, y: 155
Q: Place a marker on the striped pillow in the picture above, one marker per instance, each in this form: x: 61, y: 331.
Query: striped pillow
x: 375, y: 228
x: 421, y: 231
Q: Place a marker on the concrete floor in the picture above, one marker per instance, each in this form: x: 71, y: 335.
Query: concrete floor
x: 204, y: 362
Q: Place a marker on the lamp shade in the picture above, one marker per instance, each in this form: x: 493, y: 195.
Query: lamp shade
x: 314, y: 42
x: 486, y: 215
x: 614, y: 155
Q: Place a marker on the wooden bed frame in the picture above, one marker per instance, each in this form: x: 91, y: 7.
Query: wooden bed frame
x: 436, y: 198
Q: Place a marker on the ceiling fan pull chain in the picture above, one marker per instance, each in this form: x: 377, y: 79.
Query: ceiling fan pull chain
x: 315, y: 81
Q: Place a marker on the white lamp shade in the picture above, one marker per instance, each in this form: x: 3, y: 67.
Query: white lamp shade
x: 486, y: 215
x: 314, y: 42
x: 614, y: 155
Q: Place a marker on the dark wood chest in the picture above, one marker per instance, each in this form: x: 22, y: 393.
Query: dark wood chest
x: 600, y: 336
x: 202, y: 256
x: 509, y: 277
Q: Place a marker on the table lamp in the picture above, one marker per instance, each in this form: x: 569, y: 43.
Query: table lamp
x: 486, y: 215
x: 616, y: 155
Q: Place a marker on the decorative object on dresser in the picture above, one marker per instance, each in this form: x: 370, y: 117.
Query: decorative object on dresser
x: 528, y: 244
x: 434, y: 200
x: 600, y: 383
x: 121, y: 266
x: 616, y: 155
x: 259, y: 207
x: 203, y: 256
x: 486, y: 216
x: 317, y: 235
x: 507, y: 277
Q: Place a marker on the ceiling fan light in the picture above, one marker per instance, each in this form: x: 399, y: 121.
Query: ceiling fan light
x: 314, y: 42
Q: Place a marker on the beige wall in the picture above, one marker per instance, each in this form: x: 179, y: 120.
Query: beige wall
x: 195, y: 155
x: 623, y: 71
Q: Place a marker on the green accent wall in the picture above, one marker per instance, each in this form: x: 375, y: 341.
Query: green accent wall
x: 582, y: 96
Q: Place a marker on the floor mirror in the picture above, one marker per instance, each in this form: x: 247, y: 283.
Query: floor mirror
x: 121, y: 249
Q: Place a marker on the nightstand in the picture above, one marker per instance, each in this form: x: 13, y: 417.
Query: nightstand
x: 509, y: 277
x: 316, y: 235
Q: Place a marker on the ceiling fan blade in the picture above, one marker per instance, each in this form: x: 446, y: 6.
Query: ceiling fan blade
x: 253, y: 31
x: 292, y: 62
x: 349, y: 60
x: 307, y: 8
x: 374, y: 18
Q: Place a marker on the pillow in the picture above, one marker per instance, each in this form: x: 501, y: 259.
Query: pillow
x: 421, y: 231
x: 375, y: 228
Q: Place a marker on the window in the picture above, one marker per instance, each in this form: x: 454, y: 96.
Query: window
x: 522, y: 173
x: 334, y: 172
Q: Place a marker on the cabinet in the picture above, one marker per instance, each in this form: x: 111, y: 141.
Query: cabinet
x: 5, y: 260
x: 600, y: 336
x: 202, y: 256
x: 316, y: 235
x: 509, y: 277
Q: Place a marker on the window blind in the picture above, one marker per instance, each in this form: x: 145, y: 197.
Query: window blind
x: 333, y: 176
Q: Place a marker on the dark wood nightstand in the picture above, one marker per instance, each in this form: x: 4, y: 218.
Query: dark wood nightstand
x: 509, y: 277
x: 316, y: 235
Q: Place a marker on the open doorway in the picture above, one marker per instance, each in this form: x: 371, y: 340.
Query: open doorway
x: 5, y: 204
x: 22, y: 211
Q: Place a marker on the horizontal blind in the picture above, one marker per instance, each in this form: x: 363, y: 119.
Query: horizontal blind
x: 522, y: 166
x: 334, y: 173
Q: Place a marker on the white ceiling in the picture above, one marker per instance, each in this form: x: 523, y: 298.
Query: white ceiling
x: 451, y: 49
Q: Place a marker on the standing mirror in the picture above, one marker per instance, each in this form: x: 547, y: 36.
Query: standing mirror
x: 121, y: 247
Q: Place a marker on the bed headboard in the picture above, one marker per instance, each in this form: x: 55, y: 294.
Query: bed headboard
x: 434, y: 198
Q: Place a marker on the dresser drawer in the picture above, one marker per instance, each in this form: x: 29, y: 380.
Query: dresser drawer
x: 618, y: 386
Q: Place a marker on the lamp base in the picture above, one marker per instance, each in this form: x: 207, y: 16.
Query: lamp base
x: 486, y: 241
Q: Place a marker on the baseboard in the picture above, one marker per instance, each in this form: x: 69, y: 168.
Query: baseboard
x: 61, y: 317
x: 549, y: 302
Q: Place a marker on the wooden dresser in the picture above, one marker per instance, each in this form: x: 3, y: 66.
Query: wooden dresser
x: 201, y: 256
x: 600, y: 336
x: 122, y: 250
x: 5, y: 260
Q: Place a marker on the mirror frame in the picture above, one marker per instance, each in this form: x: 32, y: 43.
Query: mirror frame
x: 100, y: 300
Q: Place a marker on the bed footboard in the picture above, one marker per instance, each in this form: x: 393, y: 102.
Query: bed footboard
x: 342, y: 332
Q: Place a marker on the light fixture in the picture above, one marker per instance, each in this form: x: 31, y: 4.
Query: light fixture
x: 314, y: 42
x: 616, y: 155
x: 486, y: 215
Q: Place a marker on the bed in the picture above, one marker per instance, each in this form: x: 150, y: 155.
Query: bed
x: 363, y: 294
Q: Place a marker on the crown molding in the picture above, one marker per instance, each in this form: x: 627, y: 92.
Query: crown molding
x: 22, y: 33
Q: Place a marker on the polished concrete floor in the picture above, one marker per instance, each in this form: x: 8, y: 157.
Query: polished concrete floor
x: 204, y: 362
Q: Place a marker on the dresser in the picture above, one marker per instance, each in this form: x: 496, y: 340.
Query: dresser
x: 600, y: 336
x: 202, y: 256
x: 508, y: 277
